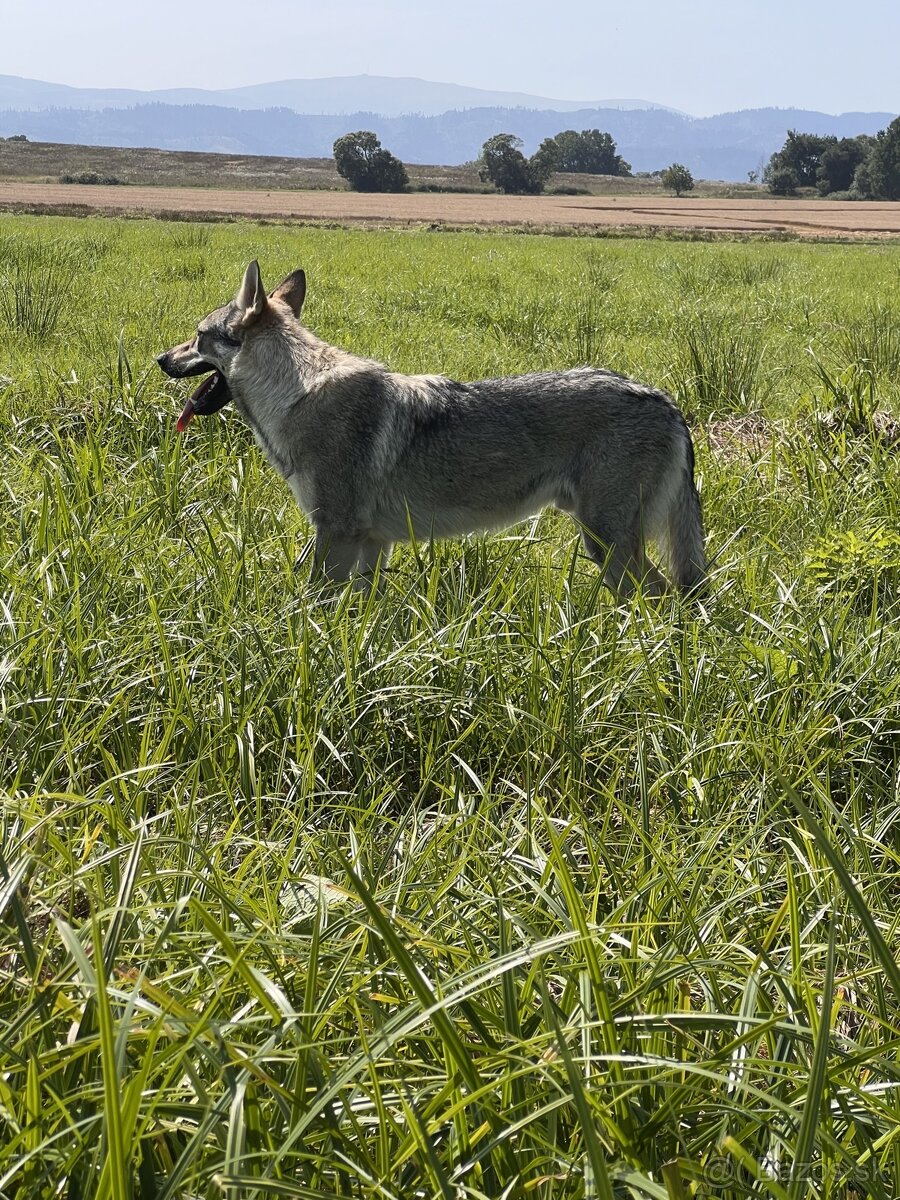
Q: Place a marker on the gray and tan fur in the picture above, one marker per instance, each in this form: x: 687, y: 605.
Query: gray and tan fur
x: 370, y: 454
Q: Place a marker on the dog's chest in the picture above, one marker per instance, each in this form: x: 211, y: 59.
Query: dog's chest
x: 302, y: 485
x: 268, y: 433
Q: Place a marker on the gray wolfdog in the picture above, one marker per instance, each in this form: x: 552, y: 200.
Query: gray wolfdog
x: 373, y: 457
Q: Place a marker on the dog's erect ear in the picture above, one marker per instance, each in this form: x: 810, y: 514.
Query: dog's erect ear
x: 292, y: 291
x: 251, y: 297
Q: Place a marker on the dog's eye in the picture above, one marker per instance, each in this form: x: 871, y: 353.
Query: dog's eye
x: 219, y: 336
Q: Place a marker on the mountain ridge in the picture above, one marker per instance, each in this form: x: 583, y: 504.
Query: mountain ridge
x: 726, y: 146
x: 389, y: 96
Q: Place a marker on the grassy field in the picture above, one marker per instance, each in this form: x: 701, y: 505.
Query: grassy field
x: 485, y: 887
x: 45, y: 162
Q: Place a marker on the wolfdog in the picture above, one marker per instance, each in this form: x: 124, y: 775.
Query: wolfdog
x: 375, y: 457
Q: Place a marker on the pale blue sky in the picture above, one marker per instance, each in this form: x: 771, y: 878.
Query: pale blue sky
x: 702, y: 56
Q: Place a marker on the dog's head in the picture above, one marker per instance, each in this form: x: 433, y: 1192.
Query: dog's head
x: 221, y: 336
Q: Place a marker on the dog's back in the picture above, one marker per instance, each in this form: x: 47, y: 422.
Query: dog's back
x: 460, y: 457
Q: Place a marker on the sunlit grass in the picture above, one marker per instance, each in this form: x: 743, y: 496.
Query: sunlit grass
x: 483, y: 887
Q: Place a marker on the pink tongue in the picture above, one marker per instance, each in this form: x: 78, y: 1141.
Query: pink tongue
x: 189, y: 411
x: 182, y: 423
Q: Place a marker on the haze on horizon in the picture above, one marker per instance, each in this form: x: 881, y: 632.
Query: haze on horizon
x: 702, y: 57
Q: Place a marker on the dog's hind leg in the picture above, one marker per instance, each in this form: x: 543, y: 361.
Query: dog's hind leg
x: 617, y: 549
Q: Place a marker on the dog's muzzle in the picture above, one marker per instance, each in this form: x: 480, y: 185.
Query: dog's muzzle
x: 212, y: 394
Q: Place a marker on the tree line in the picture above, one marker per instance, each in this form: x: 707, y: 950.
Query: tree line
x: 368, y: 167
x: 862, y: 168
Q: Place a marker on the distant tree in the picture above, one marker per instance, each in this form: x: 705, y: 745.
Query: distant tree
x: 678, y: 179
x: 543, y: 163
x: 802, y: 154
x: 838, y: 163
x: 861, y: 188
x: 367, y: 167
x: 503, y: 164
x: 884, y: 163
x: 588, y: 152
x: 782, y: 181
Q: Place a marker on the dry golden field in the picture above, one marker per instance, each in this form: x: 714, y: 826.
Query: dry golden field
x: 779, y: 217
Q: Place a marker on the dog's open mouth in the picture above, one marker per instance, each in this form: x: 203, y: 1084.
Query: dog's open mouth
x: 209, y: 397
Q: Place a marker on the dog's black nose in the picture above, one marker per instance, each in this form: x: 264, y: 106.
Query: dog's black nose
x: 161, y: 358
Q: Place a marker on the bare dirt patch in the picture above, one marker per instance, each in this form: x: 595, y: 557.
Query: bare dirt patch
x: 784, y: 218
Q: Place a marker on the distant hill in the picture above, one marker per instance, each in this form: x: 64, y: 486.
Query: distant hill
x: 725, y: 147
x: 381, y: 94
x: 420, y: 121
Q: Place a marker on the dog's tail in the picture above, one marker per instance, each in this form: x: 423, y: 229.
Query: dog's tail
x: 680, y: 523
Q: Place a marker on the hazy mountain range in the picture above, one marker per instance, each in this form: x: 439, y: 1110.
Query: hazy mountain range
x: 389, y: 97
x: 420, y: 122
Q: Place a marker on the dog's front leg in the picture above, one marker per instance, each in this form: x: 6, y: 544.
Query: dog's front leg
x: 373, y: 561
x: 336, y: 556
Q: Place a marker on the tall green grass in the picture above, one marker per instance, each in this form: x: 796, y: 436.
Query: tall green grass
x: 872, y: 339
x: 484, y: 887
x: 35, y: 286
x: 721, y: 368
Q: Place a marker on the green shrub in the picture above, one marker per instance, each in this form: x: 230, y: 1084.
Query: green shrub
x: 862, y: 563
x: 93, y: 177
x: 566, y: 190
